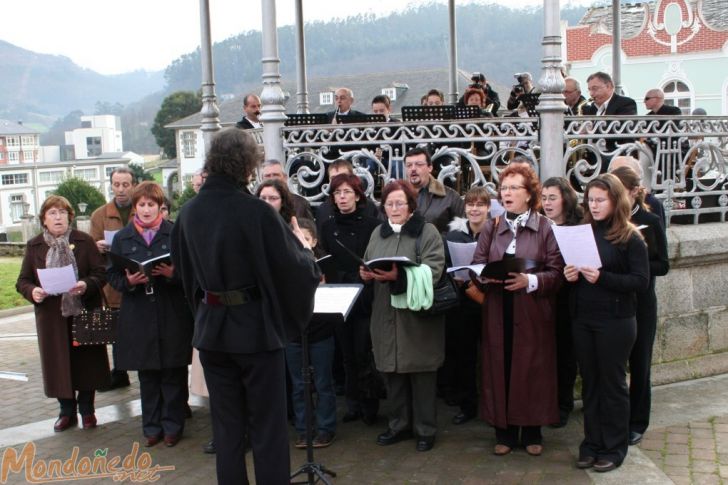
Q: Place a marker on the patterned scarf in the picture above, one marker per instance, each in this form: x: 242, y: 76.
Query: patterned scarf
x: 60, y: 254
x: 515, y: 220
x: 148, y: 229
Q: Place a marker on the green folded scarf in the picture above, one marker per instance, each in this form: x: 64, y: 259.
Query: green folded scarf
x: 419, y: 289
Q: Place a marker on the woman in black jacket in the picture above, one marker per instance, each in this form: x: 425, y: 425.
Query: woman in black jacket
x: 155, y: 323
x: 640, y: 360
x: 604, y: 304
x: 458, y: 374
x: 561, y: 205
x: 351, y: 227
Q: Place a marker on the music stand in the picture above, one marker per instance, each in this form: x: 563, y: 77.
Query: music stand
x: 428, y: 113
x: 467, y: 112
x: 331, y: 302
x: 360, y: 119
x: 303, y: 119
x: 530, y: 101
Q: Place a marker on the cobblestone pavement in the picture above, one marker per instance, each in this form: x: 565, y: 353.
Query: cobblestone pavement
x: 688, y: 442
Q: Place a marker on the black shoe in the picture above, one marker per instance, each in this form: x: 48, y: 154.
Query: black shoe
x: 634, y: 437
x: 586, y: 462
x: 461, y: 418
x: 563, y: 421
x: 188, y: 411
x: 425, y: 443
x: 209, y: 447
x: 351, y: 416
x: 604, y: 466
x: 390, y: 437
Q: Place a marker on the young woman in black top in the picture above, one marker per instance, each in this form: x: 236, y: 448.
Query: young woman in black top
x: 603, y: 302
x: 640, y: 359
x: 560, y: 204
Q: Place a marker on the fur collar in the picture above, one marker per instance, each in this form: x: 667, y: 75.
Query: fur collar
x: 436, y: 188
x: 413, y: 227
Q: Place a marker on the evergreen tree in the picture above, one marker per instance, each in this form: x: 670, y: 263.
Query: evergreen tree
x: 174, y: 107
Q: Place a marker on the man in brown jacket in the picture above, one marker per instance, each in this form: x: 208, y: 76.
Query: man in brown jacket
x: 437, y: 203
x: 112, y: 217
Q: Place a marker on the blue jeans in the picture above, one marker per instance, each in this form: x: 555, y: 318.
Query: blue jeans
x: 322, y: 358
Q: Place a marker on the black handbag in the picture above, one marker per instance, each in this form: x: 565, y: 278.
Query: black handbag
x: 445, y: 294
x: 98, y: 326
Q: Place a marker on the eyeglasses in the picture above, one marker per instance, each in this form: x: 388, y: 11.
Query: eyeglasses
x: 395, y: 204
x: 270, y: 198
x: 410, y: 165
x: 57, y: 213
x: 476, y: 204
x: 597, y: 200
x: 511, y: 188
x: 345, y: 192
x: 647, y: 98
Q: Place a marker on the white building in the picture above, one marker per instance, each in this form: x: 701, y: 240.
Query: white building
x: 30, y: 184
x: 98, y: 134
x: 18, y: 143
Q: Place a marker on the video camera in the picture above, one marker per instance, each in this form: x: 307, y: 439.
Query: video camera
x: 478, y: 79
x: 522, y: 78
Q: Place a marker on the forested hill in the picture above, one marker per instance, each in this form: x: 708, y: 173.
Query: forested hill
x: 496, y: 40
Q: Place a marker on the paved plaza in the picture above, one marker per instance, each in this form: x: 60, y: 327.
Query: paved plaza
x: 687, y: 442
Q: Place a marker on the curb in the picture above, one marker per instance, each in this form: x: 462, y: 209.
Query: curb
x: 11, y: 312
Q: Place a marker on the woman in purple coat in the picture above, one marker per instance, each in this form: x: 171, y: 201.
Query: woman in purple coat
x: 519, y: 347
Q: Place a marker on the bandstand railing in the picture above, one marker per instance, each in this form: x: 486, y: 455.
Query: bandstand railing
x: 683, y: 158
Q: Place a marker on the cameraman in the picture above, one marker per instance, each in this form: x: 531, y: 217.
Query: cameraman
x: 492, y: 101
x: 524, y: 86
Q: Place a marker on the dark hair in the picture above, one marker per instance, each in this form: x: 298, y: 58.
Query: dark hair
x: 341, y: 163
x: 123, y: 170
x: 435, y: 92
x: 406, y: 187
x: 309, y: 225
x: 477, y: 194
x: 287, y: 210
x: 530, y: 182
x: 59, y: 202
x: 419, y: 151
x: 353, y: 181
x: 602, y: 76
x: 234, y: 154
x: 382, y: 98
x: 573, y: 212
x: 620, y: 227
x: 150, y: 190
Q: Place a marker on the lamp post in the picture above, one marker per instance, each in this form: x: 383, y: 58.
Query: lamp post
x: 83, y: 222
x: 26, y: 222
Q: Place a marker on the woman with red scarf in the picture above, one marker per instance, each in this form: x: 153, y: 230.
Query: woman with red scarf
x: 155, y: 324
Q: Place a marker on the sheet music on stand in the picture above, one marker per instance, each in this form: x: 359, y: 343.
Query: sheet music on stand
x: 303, y: 119
x: 428, y: 113
x: 335, y: 301
x: 360, y: 119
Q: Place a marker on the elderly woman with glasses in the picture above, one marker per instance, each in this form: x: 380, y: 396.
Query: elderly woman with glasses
x: 409, y: 346
x: 70, y: 373
x: 519, y: 317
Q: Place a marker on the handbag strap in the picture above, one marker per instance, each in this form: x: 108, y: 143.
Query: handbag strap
x: 104, y: 301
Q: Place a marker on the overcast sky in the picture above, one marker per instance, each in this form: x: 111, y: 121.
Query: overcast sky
x: 114, y: 36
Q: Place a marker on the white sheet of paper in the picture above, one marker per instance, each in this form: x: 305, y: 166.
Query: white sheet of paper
x: 577, y: 245
x: 478, y: 268
x: 461, y: 254
x: 57, y: 280
x: 109, y: 236
x: 335, y: 299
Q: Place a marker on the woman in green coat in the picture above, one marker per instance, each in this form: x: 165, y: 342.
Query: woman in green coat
x: 408, y: 346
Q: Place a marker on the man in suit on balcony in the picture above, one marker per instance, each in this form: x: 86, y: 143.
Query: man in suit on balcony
x: 251, y: 113
x: 344, y: 99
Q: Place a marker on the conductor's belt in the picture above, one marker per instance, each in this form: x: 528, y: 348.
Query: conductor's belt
x: 232, y: 297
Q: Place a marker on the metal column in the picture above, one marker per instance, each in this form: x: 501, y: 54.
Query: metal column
x: 210, y: 112
x: 273, y: 112
x: 301, y: 83
x: 453, y: 84
x: 617, y: 47
x: 551, y: 105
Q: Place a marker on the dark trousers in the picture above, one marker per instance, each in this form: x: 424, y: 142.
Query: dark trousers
x: 458, y: 373
x: 163, y: 394
x: 247, y: 392
x: 640, y: 362
x: 84, y: 402
x: 356, y: 349
x: 411, y: 402
x: 603, y: 345
x: 565, y: 364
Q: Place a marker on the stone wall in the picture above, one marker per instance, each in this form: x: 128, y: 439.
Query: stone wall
x: 692, y: 328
